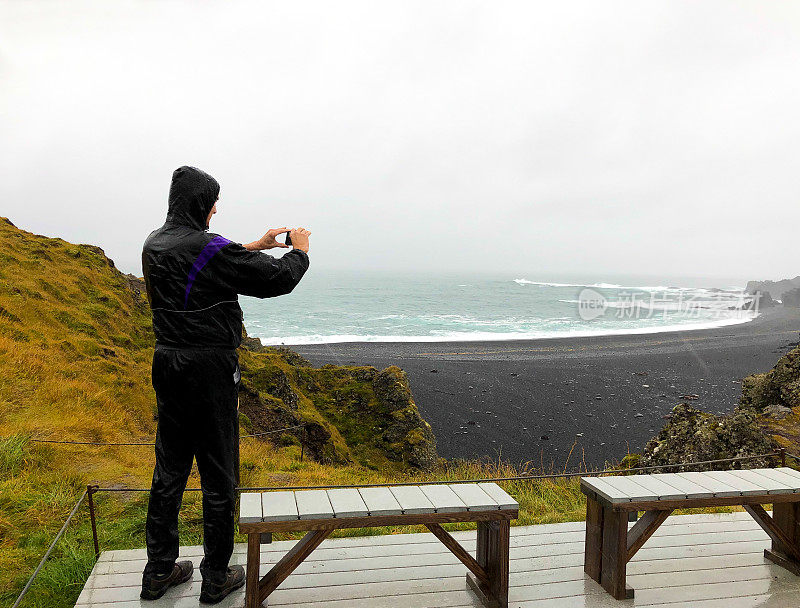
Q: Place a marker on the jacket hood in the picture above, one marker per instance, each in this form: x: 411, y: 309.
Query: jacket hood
x: 192, y: 195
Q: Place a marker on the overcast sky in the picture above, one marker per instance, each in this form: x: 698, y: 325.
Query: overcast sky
x: 535, y: 138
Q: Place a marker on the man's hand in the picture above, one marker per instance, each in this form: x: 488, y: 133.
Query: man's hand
x: 268, y: 240
x: 299, y: 238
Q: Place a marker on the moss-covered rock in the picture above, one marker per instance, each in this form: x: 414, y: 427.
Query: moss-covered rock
x: 349, y: 413
x: 691, y: 435
x: 408, y: 433
x: 287, y: 354
x: 766, y: 417
x: 774, y: 397
x: 779, y: 386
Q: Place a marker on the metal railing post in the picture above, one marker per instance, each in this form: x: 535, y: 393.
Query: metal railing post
x: 90, y: 490
x: 782, y: 454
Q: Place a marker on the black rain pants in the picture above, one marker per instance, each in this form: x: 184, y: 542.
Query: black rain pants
x: 197, y: 397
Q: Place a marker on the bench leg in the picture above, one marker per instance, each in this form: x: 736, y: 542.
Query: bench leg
x: 492, y: 554
x: 784, y: 530
x: 287, y: 564
x: 644, y: 529
x: 614, y: 554
x: 594, y: 538
x: 251, y: 574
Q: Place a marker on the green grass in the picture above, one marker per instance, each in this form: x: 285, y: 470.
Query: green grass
x: 12, y: 455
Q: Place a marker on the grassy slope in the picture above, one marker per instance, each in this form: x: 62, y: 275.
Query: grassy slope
x: 75, y: 353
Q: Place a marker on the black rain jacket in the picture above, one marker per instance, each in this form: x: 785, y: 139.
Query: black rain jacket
x: 193, y: 277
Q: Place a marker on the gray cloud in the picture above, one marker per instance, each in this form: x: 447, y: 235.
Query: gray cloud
x: 539, y: 139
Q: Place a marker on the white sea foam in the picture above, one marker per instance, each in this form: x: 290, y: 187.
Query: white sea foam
x: 652, y: 288
x: 686, y: 306
x: 496, y: 336
x: 545, y: 284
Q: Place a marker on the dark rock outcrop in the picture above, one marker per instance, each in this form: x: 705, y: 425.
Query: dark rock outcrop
x: 408, y: 437
x: 349, y: 413
x: 775, y: 398
x: 139, y: 290
x: 779, y: 386
x: 766, y: 417
x: 254, y: 344
x: 791, y: 298
x: 691, y: 435
x: 756, y: 301
x: 776, y: 288
x: 763, y: 300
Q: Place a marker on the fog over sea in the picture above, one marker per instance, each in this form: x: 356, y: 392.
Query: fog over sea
x: 329, y: 307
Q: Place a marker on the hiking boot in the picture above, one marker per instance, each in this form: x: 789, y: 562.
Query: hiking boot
x: 156, y: 585
x: 215, y: 589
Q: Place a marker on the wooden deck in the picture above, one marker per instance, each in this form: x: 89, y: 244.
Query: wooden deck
x: 702, y: 561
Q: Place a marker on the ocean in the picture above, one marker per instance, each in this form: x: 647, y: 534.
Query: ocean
x: 329, y: 307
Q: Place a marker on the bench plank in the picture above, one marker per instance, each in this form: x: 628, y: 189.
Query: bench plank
x: 789, y: 471
x: 711, y: 485
x: 743, y: 486
x: 781, y: 477
x: 662, y: 489
x: 444, y: 499
x: 380, y: 501
x: 769, y: 485
x: 279, y: 506
x: 788, y: 481
x: 474, y: 498
x: 503, y: 499
x: 313, y: 504
x: 412, y: 500
x: 347, y: 502
x: 631, y: 488
x: 604, y: 489
x: 250, y: 507
x: 681, y: 483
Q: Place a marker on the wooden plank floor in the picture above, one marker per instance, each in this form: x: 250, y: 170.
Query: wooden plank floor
x: 702, y: 561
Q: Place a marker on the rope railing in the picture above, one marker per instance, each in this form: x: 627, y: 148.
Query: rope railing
x: 795, y: 456
x: 100, y: 443
x: 776, y: 454
x: 780, y: 454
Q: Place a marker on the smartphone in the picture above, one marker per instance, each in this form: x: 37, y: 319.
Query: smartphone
x: 288, y: 240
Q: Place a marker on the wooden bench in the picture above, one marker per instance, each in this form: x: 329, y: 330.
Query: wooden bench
x: 320, y: 512
x: 610, y: 544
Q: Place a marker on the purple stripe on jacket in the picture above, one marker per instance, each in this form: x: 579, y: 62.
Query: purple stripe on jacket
x: 208, y: 252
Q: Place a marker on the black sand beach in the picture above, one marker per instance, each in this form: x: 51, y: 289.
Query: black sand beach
x: 535, y: 400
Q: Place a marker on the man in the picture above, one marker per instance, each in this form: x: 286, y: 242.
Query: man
x: 193, y: 279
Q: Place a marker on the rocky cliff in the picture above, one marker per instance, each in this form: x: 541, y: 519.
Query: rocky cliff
x: 691, y: 435
x: 791, y: 298
x: 775, y: 288
x: 349, y: 413
x: 766, y: 417
x: 774, y: 397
